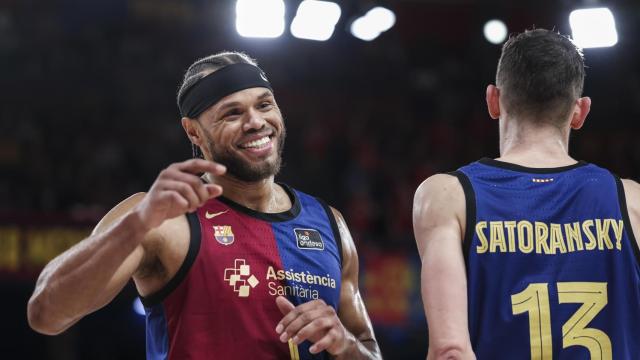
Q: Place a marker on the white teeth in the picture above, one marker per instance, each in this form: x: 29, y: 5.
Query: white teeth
x: 257, y: 143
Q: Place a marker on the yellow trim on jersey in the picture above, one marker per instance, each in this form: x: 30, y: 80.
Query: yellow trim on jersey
x: 293, y: 350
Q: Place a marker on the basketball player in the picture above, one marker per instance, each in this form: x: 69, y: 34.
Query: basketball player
x: 231, y: 265
x: 533, y: 254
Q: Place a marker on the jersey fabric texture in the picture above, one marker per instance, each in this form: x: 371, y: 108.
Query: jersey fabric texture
x: 552, y: 263
x: 221, y: 303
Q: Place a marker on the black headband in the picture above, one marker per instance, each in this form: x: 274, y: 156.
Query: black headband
x: 213, y: 87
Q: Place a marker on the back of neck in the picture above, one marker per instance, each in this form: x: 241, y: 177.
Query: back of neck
x: 539, y: 146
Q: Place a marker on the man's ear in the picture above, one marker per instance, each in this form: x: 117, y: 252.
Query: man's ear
x: 192, y: 129
x: 493, y: 101
x: 580, y: 112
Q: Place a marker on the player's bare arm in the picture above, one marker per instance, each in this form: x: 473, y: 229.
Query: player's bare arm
x: 632, y: 194
x: 439, y: 225
x: 347, y: 334
x: 123, y: 245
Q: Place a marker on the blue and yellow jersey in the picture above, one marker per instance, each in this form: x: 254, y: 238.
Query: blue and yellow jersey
x: 552, y: 263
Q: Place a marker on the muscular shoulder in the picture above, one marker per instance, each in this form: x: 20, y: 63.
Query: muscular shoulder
x: 632, y: 190
x: 122, y: 209
x: 117, y: 212
x: 169, y: 228
x: 439, y: 194
x: 438, y: 207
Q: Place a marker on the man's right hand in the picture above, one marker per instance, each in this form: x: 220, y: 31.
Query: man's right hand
x: 178, y: 190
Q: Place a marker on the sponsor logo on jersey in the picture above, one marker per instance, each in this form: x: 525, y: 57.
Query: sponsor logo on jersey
x: 223, y: 234
x: 240, y: 278
x: 302, y: 284
x: 308, y: 239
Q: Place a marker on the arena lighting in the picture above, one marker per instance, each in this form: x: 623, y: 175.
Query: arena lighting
x: 260, y: 18
x: 382, y: 17
x: 495, y: 31
x: 137, y: 307
x: 361, y: 29
x: 315, y: 20
x: 593, y: 28
x: 373, y: 23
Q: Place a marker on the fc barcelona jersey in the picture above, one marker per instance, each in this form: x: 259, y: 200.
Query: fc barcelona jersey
x: 221, y: 303
x: 552, y: 263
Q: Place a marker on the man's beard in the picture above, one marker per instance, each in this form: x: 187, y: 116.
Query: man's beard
x: 244, y: 170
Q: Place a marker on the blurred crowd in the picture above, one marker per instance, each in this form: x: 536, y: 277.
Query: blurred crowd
x: 88, y: 111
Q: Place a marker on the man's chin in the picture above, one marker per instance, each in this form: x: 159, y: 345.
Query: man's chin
x: 250, y: 176
x: 250, y: 167
x: 251, y: 172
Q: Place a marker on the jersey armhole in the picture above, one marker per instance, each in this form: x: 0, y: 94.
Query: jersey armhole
x: 470, y: 208
x: 622, y: 200
x: 194, y: 247
x: 334, y: 227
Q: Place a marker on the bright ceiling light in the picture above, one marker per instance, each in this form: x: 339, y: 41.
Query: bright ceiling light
x: 260, y: 18
x: 495, y: 31
x: 593, y: 28
x: 382, y: 17
x: 373, y: 23
x: 315, y: 20
x: 364, y: 30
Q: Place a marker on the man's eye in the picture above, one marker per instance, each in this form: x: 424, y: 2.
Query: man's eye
x: 232, y: 113
x: 266, y: 105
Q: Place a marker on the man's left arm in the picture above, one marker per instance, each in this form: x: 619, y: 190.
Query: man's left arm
x: 347, y: 334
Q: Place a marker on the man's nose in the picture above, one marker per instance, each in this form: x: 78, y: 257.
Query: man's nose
x: 255, y: 120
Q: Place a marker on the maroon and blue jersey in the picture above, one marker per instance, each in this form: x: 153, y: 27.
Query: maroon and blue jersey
x: 552, y: 263
x: 221, y: 302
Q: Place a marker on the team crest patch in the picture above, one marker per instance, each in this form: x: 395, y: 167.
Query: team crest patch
x: 223, y: 234
x: 308, y: 239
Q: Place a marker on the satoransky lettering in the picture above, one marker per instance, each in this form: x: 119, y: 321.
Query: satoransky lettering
x: 549, y: 238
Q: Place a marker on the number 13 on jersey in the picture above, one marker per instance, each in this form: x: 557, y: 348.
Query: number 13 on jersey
x: 534, y: 300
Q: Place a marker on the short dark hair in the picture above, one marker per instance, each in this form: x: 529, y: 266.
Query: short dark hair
x: 540, y: 75
x: 209, y: 64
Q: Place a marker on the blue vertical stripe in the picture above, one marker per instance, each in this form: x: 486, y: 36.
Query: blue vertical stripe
x: 157, y: 333
x: 309, y: 264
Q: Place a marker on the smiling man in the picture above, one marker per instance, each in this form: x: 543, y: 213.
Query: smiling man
x: 229, y: 264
